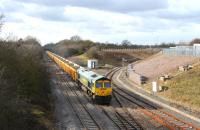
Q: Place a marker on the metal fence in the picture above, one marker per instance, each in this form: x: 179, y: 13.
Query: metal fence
x: 183, y: 51
x: 131, y: 50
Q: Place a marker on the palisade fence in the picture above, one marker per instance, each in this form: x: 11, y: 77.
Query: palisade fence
x: 183, y: 50
x: 131, y: 50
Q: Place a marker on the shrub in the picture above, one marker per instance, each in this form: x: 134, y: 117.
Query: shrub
x: 24, y: 86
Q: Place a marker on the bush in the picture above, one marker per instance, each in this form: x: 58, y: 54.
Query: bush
x: 24, y: 86
x: 70, y: 52
x: 92, y: 52
x: 67, y: 48
x: 195, y: 41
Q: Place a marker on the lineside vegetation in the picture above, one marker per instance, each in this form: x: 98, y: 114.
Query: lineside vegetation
x: 185, y: 89
x: 24, y: 86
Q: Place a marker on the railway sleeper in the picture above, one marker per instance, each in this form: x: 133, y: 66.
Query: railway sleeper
x: 130, y: 122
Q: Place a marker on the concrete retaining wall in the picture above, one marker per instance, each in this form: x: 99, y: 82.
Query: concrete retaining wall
x: 137, y: 78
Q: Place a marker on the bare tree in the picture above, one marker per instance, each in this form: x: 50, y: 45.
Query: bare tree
x: 126, y: 43
x: 1, y: 21
x: 31, y: 40
x: 75, y: 38
x: 195, y: 41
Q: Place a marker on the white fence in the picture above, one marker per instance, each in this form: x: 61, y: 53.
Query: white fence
x: 131, y: 50
x: 183, y: 50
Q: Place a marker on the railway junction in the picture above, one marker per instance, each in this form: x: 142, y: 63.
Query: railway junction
x: 129, y: 108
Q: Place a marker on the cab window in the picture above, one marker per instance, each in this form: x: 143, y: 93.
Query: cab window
x: 107, y: 84
x: 99, y: 84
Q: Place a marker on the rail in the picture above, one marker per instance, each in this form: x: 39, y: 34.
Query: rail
x: 80, y: 109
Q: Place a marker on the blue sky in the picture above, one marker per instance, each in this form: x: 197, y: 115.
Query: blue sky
x: 139, y: 21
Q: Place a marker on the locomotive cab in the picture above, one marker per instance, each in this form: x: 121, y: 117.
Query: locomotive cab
x: 97, y: 86
x: 102, y: 90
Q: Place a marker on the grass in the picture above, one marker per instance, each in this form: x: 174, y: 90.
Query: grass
x: 183, y: 89
x: 38, y: 111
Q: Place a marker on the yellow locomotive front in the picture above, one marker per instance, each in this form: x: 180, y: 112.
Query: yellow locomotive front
x: 98, y: 86
x: 102, y: 90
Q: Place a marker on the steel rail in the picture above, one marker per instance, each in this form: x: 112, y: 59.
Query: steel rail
x: 69, y: 101
x: 84, y: 114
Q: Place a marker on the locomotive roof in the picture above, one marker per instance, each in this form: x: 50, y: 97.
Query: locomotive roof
x: 90, y: 75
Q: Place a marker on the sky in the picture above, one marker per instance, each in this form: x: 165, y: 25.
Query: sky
x: 139, y: 21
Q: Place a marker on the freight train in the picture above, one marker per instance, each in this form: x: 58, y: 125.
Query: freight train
x: 98, y: 87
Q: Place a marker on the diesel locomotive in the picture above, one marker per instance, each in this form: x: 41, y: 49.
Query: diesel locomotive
x: 98, y: 87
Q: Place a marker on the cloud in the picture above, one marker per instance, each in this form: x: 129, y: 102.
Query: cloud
x: 141, y: 21
x: 48, y: 13
x: 9, y: 6
x: 100, y: 21
x: 110, y: 5
x: 176, y: 15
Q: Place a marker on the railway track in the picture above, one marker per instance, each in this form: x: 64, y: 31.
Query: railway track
x: 106, y: 112
x: 120, y: 118
x: 82, y: 113
x: 119, y: 115
x: 127, y: 114
x: 150, y: 110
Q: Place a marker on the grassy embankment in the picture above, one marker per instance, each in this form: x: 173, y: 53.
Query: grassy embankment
x: 24, y: 87
x: 184, y: 89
